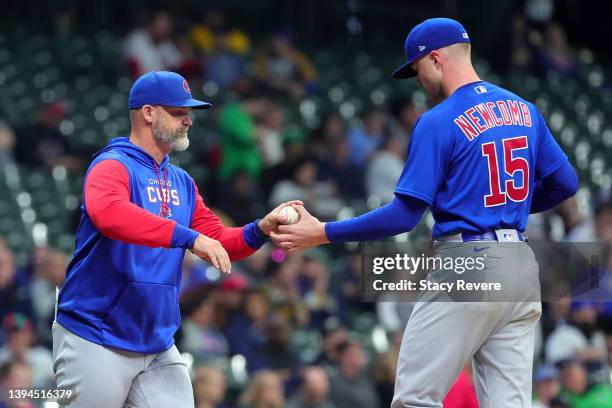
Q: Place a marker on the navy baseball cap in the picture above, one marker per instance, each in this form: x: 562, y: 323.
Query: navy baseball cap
x: 427, y: 36
x: 163, y: 88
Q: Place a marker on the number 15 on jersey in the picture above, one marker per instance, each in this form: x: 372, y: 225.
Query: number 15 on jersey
x: 515, y: 191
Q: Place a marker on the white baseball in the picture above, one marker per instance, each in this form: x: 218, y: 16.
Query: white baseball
x: 291, y: 215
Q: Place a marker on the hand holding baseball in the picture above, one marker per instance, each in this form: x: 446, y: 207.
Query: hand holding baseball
x: 278, y: 216
x: 307, y: 233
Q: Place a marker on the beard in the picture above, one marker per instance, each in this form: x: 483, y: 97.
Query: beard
x: 176, y: 140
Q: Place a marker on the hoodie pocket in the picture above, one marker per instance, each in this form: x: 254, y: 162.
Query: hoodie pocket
x: 144, y: 318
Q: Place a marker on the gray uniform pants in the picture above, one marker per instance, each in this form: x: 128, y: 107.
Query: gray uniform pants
x: 111, y: 378
x: 496, y: 331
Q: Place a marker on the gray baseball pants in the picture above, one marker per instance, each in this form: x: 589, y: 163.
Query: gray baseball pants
x: 111, y: 378
x: 495, y: 330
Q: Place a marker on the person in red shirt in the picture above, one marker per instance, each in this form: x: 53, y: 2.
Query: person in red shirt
x: 462, y: 394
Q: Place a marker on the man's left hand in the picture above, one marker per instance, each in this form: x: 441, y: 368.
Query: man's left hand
x: 274, y: 217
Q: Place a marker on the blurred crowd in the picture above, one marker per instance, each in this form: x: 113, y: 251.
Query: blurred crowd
x: 291, y: 330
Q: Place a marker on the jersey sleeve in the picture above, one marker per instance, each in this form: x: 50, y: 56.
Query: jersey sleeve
x: 549, y: 156
x: 428, y: 157
x: 108, y: 205
x: 207, y: 223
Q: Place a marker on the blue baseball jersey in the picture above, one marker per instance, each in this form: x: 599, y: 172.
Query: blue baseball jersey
x: 475, y: 157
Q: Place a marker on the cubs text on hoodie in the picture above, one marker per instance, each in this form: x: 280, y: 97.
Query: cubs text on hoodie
x: 137, y: 219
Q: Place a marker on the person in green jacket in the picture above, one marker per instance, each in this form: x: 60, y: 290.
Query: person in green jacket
x: 238, y: 143
x: 578, y: 392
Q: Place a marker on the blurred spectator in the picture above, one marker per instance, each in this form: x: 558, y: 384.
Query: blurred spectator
x: 321, y: 198
x: 269, y: 134
x: 264, y: 391
x: 223, y: 67
x: 578, y: 228
x: 314, y: 390
x: 346, y: 287
x: 555, y: 55
x: 514, y: 50
x: 332, y: 338
x: 150, y: 48
x: 43, y: 145
x: 330, y: 130
x: 237, y: 131
x: 201, y: 337
x: 603, y: 221
x: 282, y: 289
x: 385, y: 168
x: 194, y: 273
x: 14, y: 296
x: 15, y: 375
x: 368, y: 137
x: 333, y: 154
x: 241, y: 200
x: 19, y: 347
x: 404, y: 114
x: 384, y: 371
x: 221, y: 47
x: 7, y: 145
x: 254, y: 267
x: 555, y: 313
x: 245, y: 331
x: 280, y: 67
x: 208, y: 387
x: 206, y: 34
x: 277, y: 353
x: 49, y: 267
x: 577, y: 391
x: 317, y: 298
x: 579, y: 339
x: 294, y: 148
x: 349, y: 386
x: 547, y: 387
x: 462, y: 393
x: 233, y: 290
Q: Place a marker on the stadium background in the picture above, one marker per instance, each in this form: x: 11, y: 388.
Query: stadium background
x: 303, y: 108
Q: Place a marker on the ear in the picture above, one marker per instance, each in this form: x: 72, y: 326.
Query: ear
x: 436, y: 58
x: 148, y: 113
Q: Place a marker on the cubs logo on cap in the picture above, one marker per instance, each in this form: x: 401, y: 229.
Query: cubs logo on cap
x: 430, y: 35
x: 163, y: 88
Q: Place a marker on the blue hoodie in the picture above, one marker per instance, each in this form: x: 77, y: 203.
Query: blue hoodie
x: 125, y: 295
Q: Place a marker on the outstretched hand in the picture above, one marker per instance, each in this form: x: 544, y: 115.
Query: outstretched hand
x: 212, y: 251
x: 308, y: 232
x: 274, y: 217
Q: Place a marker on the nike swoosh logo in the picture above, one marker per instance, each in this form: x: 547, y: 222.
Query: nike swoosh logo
x: 480, y: 249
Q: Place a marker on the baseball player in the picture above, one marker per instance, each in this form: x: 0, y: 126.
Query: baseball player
x: 482, y: 160
x: 117, y: 311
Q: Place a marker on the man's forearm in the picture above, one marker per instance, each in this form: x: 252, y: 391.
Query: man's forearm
x: 399, y: 216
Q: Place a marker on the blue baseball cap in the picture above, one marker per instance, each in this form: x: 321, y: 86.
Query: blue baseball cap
x: 163, y: 88
x: 427, y: 36
x: 545, y: 373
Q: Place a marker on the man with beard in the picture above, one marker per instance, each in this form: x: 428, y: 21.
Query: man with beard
x: 118, y: 310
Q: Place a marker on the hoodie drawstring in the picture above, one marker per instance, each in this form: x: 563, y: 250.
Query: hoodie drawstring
x: 163, y: 212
